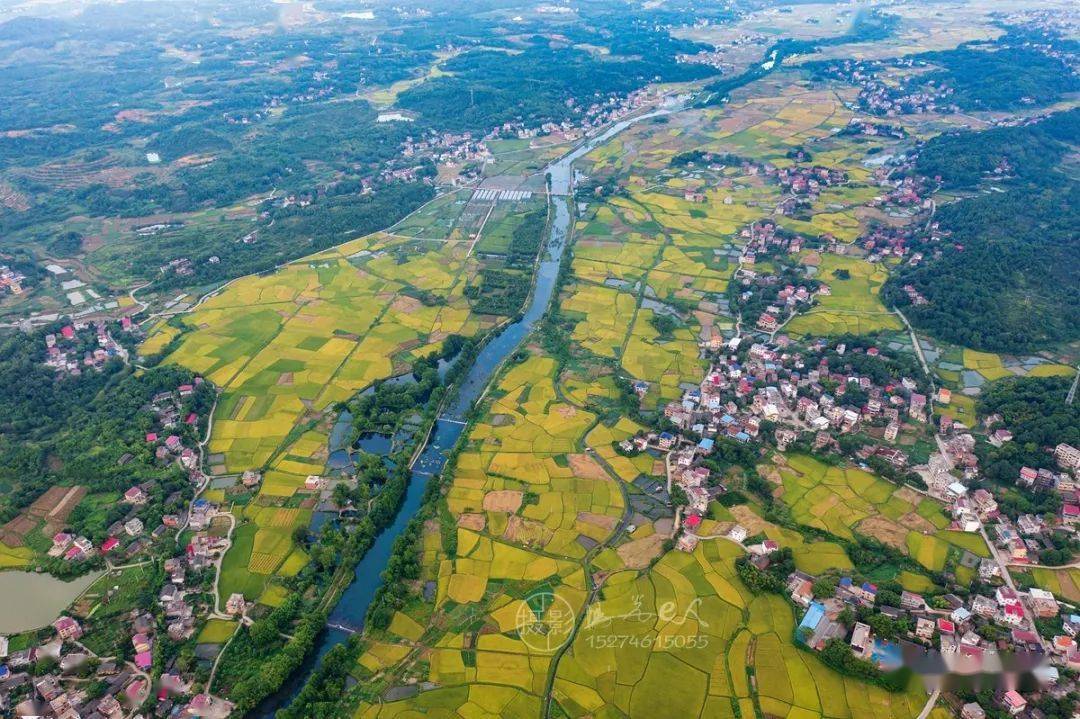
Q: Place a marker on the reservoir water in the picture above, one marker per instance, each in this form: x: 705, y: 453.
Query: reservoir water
x: 348, y: 613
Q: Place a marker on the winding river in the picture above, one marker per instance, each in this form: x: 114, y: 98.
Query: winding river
x: 348, y: 614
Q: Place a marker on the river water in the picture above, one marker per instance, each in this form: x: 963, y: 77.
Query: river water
x: 348, y: 613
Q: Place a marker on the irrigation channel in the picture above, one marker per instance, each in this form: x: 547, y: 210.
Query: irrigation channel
x: 348, y: 614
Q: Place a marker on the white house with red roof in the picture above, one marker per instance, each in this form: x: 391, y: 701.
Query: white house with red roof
x: 135, y: 495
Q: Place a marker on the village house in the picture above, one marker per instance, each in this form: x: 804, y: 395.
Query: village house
x: 1013, y: 702
x: 136, y: 496
x: 235, y: 604
x: 67, y: 628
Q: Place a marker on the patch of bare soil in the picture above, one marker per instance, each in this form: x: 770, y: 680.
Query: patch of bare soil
x: 503, y: 500
x: 285, y: 379
x: 664, y: 526
x: 598, y: 520
x: 472, y: 520
x: 640, y: 552
x: 406, y: 305
x: 908, y: 495
x: 917, y: 523
x: 586, y: 467
x: 13, y: 532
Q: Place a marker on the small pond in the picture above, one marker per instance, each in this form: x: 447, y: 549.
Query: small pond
x: 32, y: 600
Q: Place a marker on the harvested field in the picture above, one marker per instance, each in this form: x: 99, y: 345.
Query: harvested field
x: 57, y: 504
x: 475, y: 522
x: 527, y: 532
x: 885, y: 531
x: 600, y: 520
x: 917, y: 523
x: 640, y: 552
x: 746, y: 517
x: 503, y: 500
x: 586, y: 467
x: 13, y: 532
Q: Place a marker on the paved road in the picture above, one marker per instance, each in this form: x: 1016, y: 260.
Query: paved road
x: 929, y: 706
x: 1010, y: 584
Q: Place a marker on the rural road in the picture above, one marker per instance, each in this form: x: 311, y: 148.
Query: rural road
x: 929, y: 706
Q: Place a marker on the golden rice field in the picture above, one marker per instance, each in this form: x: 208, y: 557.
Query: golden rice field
x: 538, y: 480
x: 287, y: 345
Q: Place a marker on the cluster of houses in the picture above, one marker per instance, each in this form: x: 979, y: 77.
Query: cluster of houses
x: 463, y: 149
x: 884, y: 241
x: 956, y: 628
x: 809, y: 180
x: 62, y: 349
x: 124, y: 686
x: 11, y: 280
x: 768, y: 383
x: 730, y: 399
x: 776, y: 383
x: 169, y: 446
x: 890, y: 99
x: 181, y: 266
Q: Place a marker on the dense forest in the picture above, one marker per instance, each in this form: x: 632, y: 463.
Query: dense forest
x: 1002, y: 76
x: 1034, y: 410
x: 1027, y: 152
x: 1003, y: 278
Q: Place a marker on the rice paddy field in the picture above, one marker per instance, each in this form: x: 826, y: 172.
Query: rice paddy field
x: 284, y: 348
x: 853, y: 307
x: 1062, y: 582
x: 679, y: 635
x: 968, y: 371
x: 539, y: 494
x: 846, y: 500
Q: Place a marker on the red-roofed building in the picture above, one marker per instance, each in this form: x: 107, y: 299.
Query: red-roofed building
x: 135, y: 495
x: 151, y: 437
x: 1070, y: 513
x: 693, y: 521
x: 1013, y: 702
x: 68, y: 332
x: 67, y: 628
x: 191, y: 418
x: 144, y: 660
x: 134, y: 691
x: 1012, y: 614
x: 141, y: 642
x: 946, y: 626
x: 185, y: 390
x: 109, y: 544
